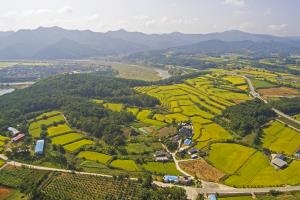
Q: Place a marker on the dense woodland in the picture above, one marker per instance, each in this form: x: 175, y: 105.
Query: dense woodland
x: 248, y: 116
x: 73, y: 95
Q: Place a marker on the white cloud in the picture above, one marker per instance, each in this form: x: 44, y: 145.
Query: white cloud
x: 65, y: 10
x: 277, y: 27
x: 268, y: 11
x: 238, y: 3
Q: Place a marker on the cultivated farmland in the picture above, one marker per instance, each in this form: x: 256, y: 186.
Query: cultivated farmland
x: 279, y: 138
x: 67, y: 138
x: 247, y: 167
x: 161, y: 168
x: 77, y: 145
x: 128, y: 165
x: 94, y: 156
x: 78, y: 187
x: 201, y: 169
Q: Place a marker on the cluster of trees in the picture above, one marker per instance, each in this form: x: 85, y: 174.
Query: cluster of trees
x: 288, y: 106
x: 247, y: 117
x: 73, y: 95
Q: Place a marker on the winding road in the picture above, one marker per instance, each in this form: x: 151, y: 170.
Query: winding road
x: 279, y: 113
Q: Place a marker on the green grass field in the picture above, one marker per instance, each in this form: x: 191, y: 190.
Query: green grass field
x: 67, y: 138
x: 94, y: 156
x: 77, y: 145
x: 117, y: 107
x: 168, y: 168
x: 58, y: 130
x: 47, y: 115
x: 279, y: 138
x: 259, y: 84
x: 139, y: 148
x: 128, y: 165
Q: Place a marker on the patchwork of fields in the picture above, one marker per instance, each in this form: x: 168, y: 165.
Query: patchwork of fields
x: 248, y: 167
x: 197, y: 100
x: 59, y: 132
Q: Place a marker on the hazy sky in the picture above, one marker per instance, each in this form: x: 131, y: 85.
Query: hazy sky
x: 280, y: 17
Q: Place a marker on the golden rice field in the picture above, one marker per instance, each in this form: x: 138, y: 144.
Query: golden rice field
x: 247, y: 167
x: 281, y: 139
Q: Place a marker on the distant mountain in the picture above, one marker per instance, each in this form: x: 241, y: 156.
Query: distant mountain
x: 58, y: 43
x: 187, y: 55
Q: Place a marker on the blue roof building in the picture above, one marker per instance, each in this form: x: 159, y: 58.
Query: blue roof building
x: 212, y: 197
x: 187, y: 142
x: 171, y: 179
x: 39, y: 147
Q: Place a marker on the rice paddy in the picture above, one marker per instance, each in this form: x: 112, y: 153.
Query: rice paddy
x: 281, y: 139
x: 247, y: 167
x: 77, y: 145
x: 94, y: 156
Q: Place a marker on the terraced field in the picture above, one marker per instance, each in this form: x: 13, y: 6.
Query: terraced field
x: 247, y: 167
x: 59, y: 132
x: 46, y: 119
x: 77, y: 145
x: 66, y: 138
x: 279, y: 138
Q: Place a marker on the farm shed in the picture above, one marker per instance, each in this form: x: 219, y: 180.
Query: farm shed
x: 13, y: 131
x: 39, y: 147
x: 186, y: 132
x: 18, y: 137
x: 187, y: 142
x: 194, y: 156
x: 185, y: 180
x: 278, y: 163
x: 161, y: 156
x: 212, y: 197
x: 171, y: 179
x: 192, y: 151
x: 297, y: 154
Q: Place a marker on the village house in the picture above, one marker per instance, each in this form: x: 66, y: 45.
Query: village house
x: 297, y: 154
x: 162, y: 156
x: 192, y: 151
x: 184, y: 180
x: 194, y: 156
x: 13, y: 131
x: 171, y: 179
x: 18, y: 137
x: 186, y: 132
x: 187, y: 142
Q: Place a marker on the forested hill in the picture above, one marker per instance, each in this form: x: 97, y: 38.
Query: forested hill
x: 73, y: 94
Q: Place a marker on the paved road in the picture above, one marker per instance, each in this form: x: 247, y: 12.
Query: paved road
x: 257, y: 95
x: 192, y: 192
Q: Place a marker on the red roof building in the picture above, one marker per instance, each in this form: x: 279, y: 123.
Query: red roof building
x: 19, y: 137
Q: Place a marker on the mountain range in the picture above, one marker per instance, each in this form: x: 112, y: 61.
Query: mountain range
x: 59, y: 43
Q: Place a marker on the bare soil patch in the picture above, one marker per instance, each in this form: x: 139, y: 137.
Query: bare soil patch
x: 280, y: 91
x: 5, y: 192
x: 201, y: 169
